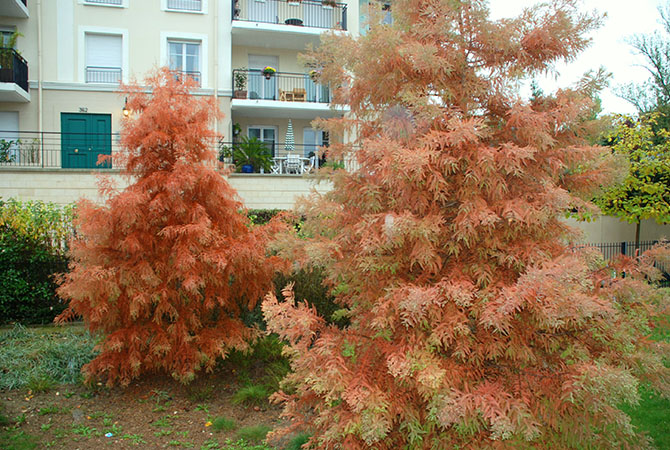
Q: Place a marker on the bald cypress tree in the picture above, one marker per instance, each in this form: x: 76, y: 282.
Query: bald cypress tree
x: 472, y: 322
x: 164, y: 269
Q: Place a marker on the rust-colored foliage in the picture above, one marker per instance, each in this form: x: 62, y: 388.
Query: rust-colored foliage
x: 474, y: 324
x: 165, y: 267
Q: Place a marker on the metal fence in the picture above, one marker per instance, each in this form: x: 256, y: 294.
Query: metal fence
x: 613, y: 249
x: 281, y: 86
x: 302, y: 13
x: 105, y: 2
x: 109, y: 75
x: 13, y: 68
x: 185, y: 5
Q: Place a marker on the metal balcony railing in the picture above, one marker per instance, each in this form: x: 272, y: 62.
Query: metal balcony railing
x: 105, y: 2
x: 180, y: 75
x: 28, y: 149
x: 303, y: 13
x: 281, y: 86
x: 184, y: 5
x: 13, y: 68
x: 31, y: 149
x: 109, y: 75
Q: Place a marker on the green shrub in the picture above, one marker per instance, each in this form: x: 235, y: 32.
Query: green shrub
x: 297, y: 441
x: 254, y: 394
x: 33, y: 238
x: 308, y: 286
x: 255, y: 433
x: 262, y: 216
x: 223, y: 424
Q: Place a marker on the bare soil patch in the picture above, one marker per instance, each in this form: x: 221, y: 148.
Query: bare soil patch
x: 153, y: 412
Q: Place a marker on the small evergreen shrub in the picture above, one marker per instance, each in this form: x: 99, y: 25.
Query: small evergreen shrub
x: 32, y: 251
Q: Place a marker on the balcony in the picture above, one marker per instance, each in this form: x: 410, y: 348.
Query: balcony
x: 14, y: 8
x: 13, y: 77
x: 257, y: 22
x: 284, y: 93
x: 103, y: 75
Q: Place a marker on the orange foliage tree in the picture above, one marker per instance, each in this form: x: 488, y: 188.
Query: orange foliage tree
x: 473, y: 321
x: 165, y: 267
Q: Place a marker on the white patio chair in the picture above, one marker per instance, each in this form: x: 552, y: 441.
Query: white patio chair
x: 294, y: 164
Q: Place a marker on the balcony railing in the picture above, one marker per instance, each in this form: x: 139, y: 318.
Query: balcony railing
x: 302, y: 13
x: 13, y: 68
x: 105, y: 2
x: 109, y: 75
x: 281, y: 86
x: 184, y: 5
x: 180, y: 75
x: 30, y: 149
x: 286, y: 158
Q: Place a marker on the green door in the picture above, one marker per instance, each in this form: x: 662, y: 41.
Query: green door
x: 83, y: 138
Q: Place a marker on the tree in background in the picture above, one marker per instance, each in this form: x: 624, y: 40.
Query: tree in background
x: 654, y: 94
x: 164, y: 269
x: 645, y: 192
x: 473, y: 323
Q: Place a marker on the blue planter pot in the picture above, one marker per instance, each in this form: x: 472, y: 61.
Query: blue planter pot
x: 247, y: 168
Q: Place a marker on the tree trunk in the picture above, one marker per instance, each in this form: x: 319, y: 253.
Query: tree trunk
x: 637, y: 237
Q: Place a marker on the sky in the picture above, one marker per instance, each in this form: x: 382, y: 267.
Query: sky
x: 608, y: 48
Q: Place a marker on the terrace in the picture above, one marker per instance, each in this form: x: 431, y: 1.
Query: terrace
x: 13, y: 76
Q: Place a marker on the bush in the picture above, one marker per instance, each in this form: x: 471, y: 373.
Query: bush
x: 309, y: 286
x: 32, y: 250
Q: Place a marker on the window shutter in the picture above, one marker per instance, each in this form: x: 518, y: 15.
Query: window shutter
x: 103, y: 50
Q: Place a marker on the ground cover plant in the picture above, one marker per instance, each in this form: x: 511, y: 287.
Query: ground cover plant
x: 165, y: 268
x: 39, y: 360
x: 473, y: 322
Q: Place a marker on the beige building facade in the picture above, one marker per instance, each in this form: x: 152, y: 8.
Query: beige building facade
x: 61, y: 63
x: 68, y: 58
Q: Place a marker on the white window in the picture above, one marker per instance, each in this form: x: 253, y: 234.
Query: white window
x: 184, y: 59
x: 5, y: 37
x: 265, y: 134
x: 103, y: 58
x: 184, y: 5
x: 9, y: 137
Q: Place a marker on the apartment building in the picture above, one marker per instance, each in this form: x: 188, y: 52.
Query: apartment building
x: 62, y: 61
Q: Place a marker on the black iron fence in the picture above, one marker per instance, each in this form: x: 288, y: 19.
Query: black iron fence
x: 185, y: 5
x: 280, y: 86
x: 13, y: 68
x: 302, y: 13
x: 82, y: 151
x: 109, y: 75
x: 613, y: 249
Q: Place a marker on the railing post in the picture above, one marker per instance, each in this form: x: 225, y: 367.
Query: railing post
x: 623, y: 248
x: 344, y: 18
x: 42, y: 146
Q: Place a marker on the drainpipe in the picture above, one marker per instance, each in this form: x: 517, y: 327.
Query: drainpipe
x: 39, y: 76
x: 215, y: 5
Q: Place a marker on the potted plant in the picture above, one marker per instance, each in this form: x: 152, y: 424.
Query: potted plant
x: 240, y: 83
x: 7, y: 57
x: 251, y: 155
x: 328, y: 3
x: 314, y: 75
x: 269, y: 71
